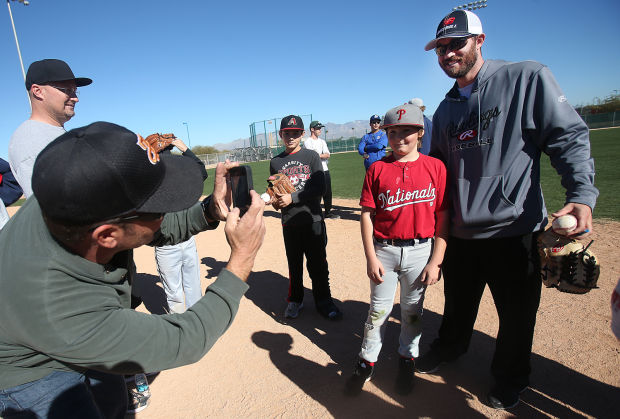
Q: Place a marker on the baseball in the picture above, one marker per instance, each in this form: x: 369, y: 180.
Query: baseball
x: 265, y: 197
x: 564, y: 224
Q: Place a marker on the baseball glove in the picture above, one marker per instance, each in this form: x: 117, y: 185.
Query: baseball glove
x: 566, y: 264
x: 160, y: 141
x: 279, y: 184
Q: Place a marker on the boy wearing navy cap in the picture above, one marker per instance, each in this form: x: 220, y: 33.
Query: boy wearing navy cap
x: 303, y: 226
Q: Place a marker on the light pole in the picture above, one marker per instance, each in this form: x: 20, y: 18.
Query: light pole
x: 19, y: 53
x: 188, y: 140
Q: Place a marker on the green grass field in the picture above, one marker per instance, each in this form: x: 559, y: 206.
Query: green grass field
x: 347, y: 173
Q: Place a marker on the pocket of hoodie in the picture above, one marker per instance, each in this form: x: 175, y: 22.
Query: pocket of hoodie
x: 483, y: 203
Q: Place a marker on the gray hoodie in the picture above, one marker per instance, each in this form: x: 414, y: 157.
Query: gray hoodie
x: 491, y: 144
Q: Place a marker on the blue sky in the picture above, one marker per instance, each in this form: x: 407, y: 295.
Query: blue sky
x: 221, y: 65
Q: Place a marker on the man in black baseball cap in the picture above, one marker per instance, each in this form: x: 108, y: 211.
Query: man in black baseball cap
x: 68, y: 333
x: 53, y: 91
x: 52, y: 70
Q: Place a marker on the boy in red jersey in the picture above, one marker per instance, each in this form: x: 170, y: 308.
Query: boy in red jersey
x: 403, y: 208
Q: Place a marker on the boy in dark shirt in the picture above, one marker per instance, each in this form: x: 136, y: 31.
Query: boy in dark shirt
x: 303, y: 227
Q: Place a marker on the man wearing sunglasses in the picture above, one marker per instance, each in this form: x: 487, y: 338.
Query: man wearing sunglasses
x: 490, y: 131
x: 372, y: 145
x: 68, y: 334
x: 53, y: 93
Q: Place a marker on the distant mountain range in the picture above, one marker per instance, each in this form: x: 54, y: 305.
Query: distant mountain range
x: 330, y: 132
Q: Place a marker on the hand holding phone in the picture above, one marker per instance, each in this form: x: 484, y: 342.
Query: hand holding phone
x: 241, y: 184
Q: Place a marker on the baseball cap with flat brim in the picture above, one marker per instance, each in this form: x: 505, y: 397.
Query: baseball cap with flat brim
x: 51, y: 70
x: 458, y: 24
x: 291, y: 122
x: 103, y: 171
x: 406, y: 114
x: 316, y: 125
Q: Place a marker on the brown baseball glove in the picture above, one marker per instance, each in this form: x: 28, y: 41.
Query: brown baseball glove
x: 160, y: 141
x: 279, y: 184
x: 566, y: 264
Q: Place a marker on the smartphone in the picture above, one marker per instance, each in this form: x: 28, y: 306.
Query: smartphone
x: 241, y: 185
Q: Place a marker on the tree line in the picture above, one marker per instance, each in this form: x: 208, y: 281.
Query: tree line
x: 609, y: 104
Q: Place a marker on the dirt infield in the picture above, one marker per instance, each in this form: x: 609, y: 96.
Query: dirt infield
x: 264, y: 368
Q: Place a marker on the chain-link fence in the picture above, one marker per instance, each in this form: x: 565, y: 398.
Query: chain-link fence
x: 250, y: 154
x: 602, y: 120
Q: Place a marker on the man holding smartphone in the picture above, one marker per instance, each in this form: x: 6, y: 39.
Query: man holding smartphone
x: 68, y: 333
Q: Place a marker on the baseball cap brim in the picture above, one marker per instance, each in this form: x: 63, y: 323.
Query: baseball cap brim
x: 82, y: 81
x: 400, y: 125
x: 180, y: 188
x: 433, y: 44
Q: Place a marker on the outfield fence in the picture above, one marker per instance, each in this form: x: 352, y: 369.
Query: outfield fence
x: 341, y: 145
x: 251, y: 154
x: 602, y: 120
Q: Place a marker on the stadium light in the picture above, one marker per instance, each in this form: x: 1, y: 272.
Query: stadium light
x: 19, y: 53
x: 472, y: 6
x: 188, y: 140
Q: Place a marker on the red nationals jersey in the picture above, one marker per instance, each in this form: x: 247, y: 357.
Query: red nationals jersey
x: 405, y: 196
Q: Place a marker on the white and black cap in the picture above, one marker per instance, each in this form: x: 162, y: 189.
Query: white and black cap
x: 458, y: 24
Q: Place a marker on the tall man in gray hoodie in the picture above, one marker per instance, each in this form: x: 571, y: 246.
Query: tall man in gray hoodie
x: 490, y: 131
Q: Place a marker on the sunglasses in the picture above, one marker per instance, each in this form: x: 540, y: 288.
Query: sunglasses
x: 454, y: 45
x: 71, y: 92
x: 375, y: 122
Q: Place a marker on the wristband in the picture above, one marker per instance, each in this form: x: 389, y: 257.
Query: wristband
x: 206, y: 203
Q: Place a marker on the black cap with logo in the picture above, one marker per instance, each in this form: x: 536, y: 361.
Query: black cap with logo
x: 102, y: 171
x: 291, y: 122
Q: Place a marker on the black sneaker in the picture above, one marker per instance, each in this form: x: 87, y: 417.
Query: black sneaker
x: 332, y: 216
x: 363, y: 373
x: 504, y: 396
x: 137, y: 401
x: 428, y: 363
x: 406, y: 376
x: 329, y: 310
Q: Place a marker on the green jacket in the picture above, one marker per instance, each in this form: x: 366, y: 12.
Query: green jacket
x: 59, y: 311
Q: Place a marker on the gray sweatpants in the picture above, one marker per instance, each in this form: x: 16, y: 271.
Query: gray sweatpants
x: 404, y: 265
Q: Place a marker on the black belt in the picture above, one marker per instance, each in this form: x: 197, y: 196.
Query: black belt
x: 401, y: 242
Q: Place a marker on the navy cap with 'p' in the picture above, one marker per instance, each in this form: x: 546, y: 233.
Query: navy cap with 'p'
x: 102, y: 171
